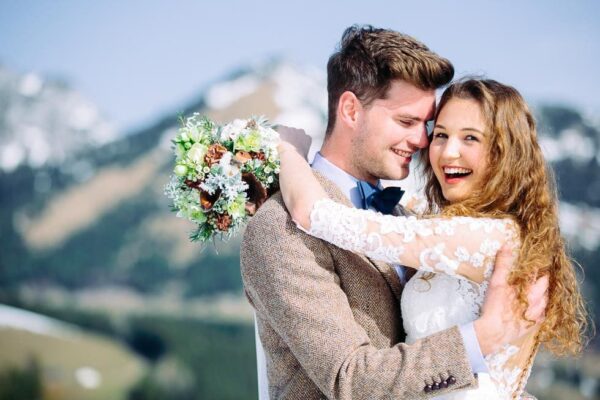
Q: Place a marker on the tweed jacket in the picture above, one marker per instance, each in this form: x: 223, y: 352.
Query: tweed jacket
x: 329, y: 320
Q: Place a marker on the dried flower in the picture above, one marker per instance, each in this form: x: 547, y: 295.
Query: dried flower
x: 207, y: 200
x: 214, y: 153
x: 223, y: 221
x: 256, y: 193
x: 242, y: 157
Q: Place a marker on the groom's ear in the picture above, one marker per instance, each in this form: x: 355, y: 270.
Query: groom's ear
x: 349, y: 109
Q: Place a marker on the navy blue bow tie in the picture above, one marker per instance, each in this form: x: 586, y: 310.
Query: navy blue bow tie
x: 383, y: 201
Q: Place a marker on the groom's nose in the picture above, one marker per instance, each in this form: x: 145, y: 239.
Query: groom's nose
x: 419, y: 138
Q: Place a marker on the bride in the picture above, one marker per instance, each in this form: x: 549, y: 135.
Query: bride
x: 487, y: 186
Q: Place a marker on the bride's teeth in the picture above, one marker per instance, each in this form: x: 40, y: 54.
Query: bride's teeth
x: 456, y: 170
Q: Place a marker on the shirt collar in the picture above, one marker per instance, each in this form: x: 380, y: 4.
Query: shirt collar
x: 344, y: 181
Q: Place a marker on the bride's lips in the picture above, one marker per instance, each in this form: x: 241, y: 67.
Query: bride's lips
x: 454, y: 174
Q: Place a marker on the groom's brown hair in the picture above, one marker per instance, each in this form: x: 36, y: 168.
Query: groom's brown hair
x: 369, y: 59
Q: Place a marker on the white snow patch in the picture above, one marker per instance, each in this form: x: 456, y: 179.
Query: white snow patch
x: 88, y: 377
x: 580, y: 225
x: 15, y: 318
x: 30, y: 85
x: 571, y: 143
x: 83, y: 116
x: 11, y: 155
x: 301, y: 95
x: 224, y: 94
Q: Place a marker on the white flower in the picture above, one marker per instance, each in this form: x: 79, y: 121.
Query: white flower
x: 180, y: 170
x: 270, y: 136
x: 268, y: 170
x: 270, y: 179
x: 226, y: 166
x: 194, y: 134
x: 233, y: 129
x: 183, y: 135
x: 179, y: 150
x: 197, y: 152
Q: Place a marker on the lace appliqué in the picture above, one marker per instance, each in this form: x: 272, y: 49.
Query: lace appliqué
x: 505, y: 377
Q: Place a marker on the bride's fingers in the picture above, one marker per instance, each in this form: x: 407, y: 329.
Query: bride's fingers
x: 537, y: 297
x: 503, y: 265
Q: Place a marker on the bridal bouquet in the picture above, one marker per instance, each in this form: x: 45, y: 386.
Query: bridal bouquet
x: 222, y: 173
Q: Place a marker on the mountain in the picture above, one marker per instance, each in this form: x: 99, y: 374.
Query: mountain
x: 96, y: 221
x: 44, y: 122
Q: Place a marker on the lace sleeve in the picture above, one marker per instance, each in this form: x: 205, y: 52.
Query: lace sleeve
x: 415, y: 204
x: 510, y: 366
x: 458, y: 246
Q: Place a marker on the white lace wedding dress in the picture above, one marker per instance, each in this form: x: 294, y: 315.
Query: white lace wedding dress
x: 454, y: 258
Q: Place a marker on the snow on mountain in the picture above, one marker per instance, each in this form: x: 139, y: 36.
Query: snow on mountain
x: 580, y: 225
x: 15, y: 318
x: 45, y: 122
x: 570, y: 143
x: 299, y: 93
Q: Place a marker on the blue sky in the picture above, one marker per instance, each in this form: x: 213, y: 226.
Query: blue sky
x: 138, y: 59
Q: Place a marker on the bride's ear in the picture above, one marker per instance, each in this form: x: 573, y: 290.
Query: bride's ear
x: 349, y: 109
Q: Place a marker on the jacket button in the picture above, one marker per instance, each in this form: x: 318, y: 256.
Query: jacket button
x: 451, y: 380
x: 435, y: 386
x: 444, y: 384
x: 427, y: 388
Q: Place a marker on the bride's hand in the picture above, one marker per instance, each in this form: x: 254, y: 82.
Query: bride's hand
x: 293, y: 138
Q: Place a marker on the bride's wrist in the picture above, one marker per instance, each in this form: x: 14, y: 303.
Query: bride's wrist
x: 488, y: 337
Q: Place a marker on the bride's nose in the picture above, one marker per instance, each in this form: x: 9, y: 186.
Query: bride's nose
x: 451, y: 149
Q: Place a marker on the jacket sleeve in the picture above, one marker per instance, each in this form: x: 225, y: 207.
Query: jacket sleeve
x: 290, y: 279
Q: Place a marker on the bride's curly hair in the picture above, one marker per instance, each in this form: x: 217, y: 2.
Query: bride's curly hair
x: 518, y: 184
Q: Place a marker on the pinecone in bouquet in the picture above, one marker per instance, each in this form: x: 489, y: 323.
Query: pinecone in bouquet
x: 222, y: 173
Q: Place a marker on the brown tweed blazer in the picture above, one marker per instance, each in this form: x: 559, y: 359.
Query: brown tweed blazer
x: 330, y: 322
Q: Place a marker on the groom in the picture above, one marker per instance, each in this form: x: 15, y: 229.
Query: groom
x: 330, y: 320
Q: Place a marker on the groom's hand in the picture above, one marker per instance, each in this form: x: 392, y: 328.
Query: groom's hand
x: 500, y: 323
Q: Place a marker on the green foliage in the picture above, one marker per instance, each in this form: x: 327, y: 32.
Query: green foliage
x: 221, y: 357
x: 146, y: 342
x: 21, y: 383
x: 214, y: 274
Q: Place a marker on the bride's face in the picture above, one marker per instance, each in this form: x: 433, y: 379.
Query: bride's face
x: 458, y: 150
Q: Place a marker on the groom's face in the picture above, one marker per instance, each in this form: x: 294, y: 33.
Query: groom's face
x: 392, y: 130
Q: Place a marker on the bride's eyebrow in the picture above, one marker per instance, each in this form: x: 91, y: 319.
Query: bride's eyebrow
x: 473, y: 130
x: 463, y: 129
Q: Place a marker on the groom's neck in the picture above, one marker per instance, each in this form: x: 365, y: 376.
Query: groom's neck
x: 342, y: 160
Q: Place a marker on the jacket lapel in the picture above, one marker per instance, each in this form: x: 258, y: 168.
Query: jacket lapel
x: 387, y: 270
